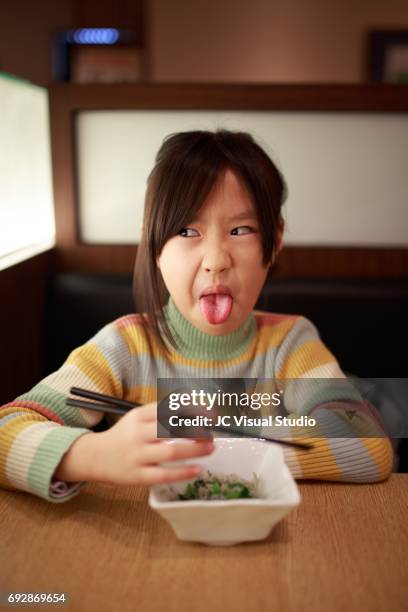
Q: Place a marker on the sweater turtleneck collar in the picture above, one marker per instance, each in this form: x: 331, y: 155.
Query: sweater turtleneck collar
x: 196, y: 344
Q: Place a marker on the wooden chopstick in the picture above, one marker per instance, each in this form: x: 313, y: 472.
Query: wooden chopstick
x: 300, y: 445
x: 115, y: 405
x: 108, y: 399
x: 95, y: 406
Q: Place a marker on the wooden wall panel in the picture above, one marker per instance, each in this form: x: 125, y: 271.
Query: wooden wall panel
x: 126, y: 14
x: 294, y: 262
x: 22, y: 312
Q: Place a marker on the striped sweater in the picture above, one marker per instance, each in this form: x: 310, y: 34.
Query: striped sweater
x: 37, y: 429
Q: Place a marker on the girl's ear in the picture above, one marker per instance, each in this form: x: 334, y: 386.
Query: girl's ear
x: 279, y: 244
x: 279, y: 241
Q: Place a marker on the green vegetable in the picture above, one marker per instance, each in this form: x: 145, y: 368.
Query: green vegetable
x: 211, y: 487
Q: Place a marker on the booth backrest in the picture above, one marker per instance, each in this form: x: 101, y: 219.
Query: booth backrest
x: 363, y: 322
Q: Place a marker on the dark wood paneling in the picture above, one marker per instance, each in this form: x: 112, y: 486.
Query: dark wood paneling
x: 126, y: 14
x: 332, y: 262
x: 22, y: 310
x: 190, y: 96
x: 99, y: 259
x: 66, y: 100
x: 301, y: 262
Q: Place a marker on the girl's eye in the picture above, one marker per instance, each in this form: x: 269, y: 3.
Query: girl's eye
x: 185, y: 232
x: 243, y: 229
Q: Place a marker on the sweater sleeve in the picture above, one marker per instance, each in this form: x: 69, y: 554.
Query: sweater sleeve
x: 37, y: 428
x: 349, y: 440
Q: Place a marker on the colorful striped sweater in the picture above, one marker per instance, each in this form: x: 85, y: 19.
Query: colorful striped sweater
x: 37, y: 429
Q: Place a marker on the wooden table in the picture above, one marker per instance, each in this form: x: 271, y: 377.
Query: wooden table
x: 344, y: 548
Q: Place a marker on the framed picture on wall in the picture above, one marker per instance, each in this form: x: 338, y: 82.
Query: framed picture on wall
x: 388, y: 57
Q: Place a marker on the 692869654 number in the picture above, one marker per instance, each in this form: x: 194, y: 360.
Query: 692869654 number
x: 28, y: 598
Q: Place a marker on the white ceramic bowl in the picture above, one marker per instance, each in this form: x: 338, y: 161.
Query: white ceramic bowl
x: 229, y: 522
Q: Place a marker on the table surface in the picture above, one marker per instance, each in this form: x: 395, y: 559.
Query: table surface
x: 344, y: 547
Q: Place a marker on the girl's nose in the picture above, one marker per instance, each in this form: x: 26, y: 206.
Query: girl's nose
x: 216, y: 259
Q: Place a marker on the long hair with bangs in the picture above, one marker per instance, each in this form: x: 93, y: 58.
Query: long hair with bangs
x: 187, y: 167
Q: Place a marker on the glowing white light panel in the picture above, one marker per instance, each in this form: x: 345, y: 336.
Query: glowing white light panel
x: 346, y: 172
x: 26, y: 197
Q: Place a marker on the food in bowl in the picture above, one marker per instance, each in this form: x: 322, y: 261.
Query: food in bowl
x: 224, y: 522
x: 219, y: 486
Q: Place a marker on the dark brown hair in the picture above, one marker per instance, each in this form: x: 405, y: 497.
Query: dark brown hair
x: 187, y: 167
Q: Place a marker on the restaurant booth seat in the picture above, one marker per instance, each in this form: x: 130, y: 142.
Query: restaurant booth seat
x: 363, y: 322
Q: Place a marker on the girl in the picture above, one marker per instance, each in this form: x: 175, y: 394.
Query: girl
x: 212, y: 229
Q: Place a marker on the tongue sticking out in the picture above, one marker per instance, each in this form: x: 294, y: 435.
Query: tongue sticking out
x: 216, y: 307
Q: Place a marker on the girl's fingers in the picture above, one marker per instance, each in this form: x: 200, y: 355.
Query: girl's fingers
x: 148, y: 432
x: 148, y: 412
x: 163, y: 452
x: 152, y: 475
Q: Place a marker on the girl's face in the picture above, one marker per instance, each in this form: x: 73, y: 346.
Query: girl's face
x: 213, y: 268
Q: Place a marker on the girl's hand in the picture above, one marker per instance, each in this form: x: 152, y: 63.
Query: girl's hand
x: 130, y: 452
